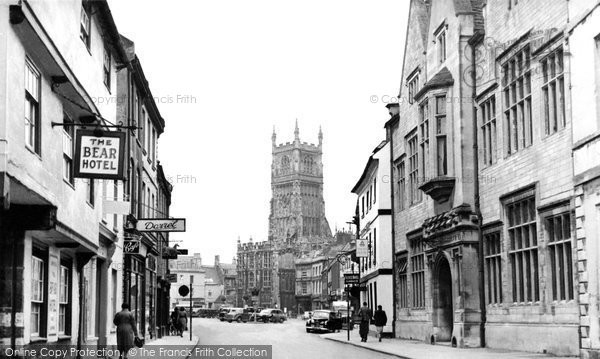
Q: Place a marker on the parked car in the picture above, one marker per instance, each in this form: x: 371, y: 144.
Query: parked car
x: 208, y: 313
x: 343, y: 314
x: 324, y: 320
x: 222, y: 313
x: 238, y: 315
x: 307, y: 315
x: 271, y: 315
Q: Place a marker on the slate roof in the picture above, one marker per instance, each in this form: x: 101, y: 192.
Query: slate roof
x: 442, y: 79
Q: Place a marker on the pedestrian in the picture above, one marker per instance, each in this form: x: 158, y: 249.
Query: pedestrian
x: 365, y: 313
x: 380, y: 320
x: 126, y: 330
x: 182, y: 321
x: 174, y: 321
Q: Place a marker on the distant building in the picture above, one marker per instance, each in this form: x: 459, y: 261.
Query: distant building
x: 255, y: 273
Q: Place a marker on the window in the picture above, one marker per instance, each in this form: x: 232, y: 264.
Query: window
x: 488, y: 130
x: 413, y: 162
x: 147, y: 135
x: 90, y: 195
x: 558, y: 230
x: 523, y: 252
x: 153, y: 145
x: 401, y: 171
x: 106, y: 67
x: 32, y: 108
x: 493, y: 266
x: 115, y: 198
x: 142, y: 129
x: 554, y: 92
x: 64, y: 300
x: 417, y: 263
x: 516, y: 87
x: 402, y: 283
x: 413, y: 87
x: 374, y: 196
x: 441, y: 45
x: 362, y: 206
x: 424, y: 132
x: 440, y: 134
x: 85, y: 25
x: 37, y: 295
x: 68, y: 146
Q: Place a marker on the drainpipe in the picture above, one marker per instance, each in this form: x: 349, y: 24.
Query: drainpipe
x: 473, y: 41
x: 391, y: 141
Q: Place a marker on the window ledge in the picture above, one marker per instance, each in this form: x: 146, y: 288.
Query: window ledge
x: 38, y: 340
x: 30, y: 149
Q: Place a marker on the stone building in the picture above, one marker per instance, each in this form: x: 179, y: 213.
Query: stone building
x: 255, y: 274
x: 60, y: 262
x: 487, y: 75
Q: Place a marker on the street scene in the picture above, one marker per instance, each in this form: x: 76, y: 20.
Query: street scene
x: 315, y: 179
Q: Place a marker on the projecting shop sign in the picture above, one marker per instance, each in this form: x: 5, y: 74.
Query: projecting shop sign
x: 161, y: 225
x: 99, y: 157
x: 362, y: 249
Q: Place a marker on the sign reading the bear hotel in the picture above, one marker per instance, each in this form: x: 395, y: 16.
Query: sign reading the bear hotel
x: 99, y: 157
x: 161, y: 225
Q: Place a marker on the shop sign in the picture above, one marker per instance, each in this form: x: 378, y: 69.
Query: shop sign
x: 131, y: 247
x: 362, y: 249
x: 172, y: 277
x: 160, y: 225
x: 351, y: 278
x: 99, y: 157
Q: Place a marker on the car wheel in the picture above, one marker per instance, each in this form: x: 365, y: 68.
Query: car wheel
x: 239, y: 319
x: 281, y: 320
x: 229, y: 321
x: 308, y: 330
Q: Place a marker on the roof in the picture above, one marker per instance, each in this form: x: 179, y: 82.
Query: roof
x: 442, y: 79
x: 371, y: 162
x: 113, y: 34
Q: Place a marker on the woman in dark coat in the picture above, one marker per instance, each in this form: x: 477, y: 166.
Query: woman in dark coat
x: 126, y: 330
x: 182, y: 321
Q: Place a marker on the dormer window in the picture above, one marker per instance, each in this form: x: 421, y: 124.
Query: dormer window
x: 413, y: 87
x: 440, y: 41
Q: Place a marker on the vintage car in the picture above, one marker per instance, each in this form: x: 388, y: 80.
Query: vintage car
x: 271, y: 315
x: 222, y: 313
x: 324, y: 321
x: 237, y: 315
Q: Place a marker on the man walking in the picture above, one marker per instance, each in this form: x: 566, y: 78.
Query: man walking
x: 380, y: 320
x: 365, y: 314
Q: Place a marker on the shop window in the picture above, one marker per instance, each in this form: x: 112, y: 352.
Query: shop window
x: 38, y: 294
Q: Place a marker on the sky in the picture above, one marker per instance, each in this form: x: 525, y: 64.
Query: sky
x: 224, y: 73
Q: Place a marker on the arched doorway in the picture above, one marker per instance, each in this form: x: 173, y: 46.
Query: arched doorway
x: 443, y: 309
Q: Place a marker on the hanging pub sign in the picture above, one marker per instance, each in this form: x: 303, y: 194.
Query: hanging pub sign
x: 99, y: 157
x: 131, y: 247
x: 362, y: 249
x: 161, y: 225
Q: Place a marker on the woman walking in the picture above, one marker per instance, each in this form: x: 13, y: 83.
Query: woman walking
x: 126, y: 330
x: 182, y: 321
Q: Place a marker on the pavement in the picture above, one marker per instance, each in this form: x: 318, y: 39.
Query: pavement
x: 412, y: 349
x: 172, y: 347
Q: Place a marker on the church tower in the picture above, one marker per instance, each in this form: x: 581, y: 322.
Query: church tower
x: 297, y: 204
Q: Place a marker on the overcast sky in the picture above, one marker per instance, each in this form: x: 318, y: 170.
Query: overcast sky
x: 225, y: 72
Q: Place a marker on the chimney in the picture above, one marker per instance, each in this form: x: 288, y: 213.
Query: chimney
x: 217, y: 260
